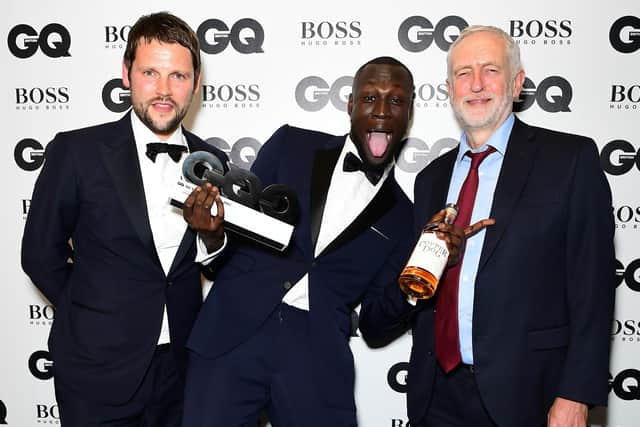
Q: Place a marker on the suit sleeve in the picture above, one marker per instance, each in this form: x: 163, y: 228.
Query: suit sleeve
x: 46, y: 250
x: 266, y: 164
x: 590, y: 282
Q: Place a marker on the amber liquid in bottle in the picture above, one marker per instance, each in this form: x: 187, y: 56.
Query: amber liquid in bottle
x: 419, y: 278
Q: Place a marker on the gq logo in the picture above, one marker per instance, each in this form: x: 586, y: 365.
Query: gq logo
x: 626, y: 385
x: 629, y: 274
x: 238, y: 36
x: 618, y: 157
x: 40, y: 365
x: 54, y: 41
x: 553, y: 95
x: 416, y: 154
x: 416, y: 33
x: 242, y: 153
x: 115, y: 96
x: 624, y: 35
x: 397, y: 377
x: 313, y: 93
x: 29, y: 154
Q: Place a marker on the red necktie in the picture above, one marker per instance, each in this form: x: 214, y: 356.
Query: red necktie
x: 446, y: 322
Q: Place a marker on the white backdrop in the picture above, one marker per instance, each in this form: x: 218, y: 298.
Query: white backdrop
x: 292, y: 63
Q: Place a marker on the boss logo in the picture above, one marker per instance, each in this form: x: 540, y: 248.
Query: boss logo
x: 47, y: 412
x: 313, y: 93
x: 627, y: 216
x: 242, y: 153
x: 116, y: 37
x: 625, y: 94
x: 215, y: 36
x: 25, y: 204
x: 40, y: 365
x: 429, y: 95
x: 618, y: 157
x: 54, y: 41
x: 325, y: 32
x: 624, y: 35
x: 29, y: 154
x: 49, y: 97
x: 551, y: 31
x: 628, y: 330
x: 115, y: 96
x: 626, y: 385
x: 552, y: 95
x: 41, y: 314
x: 397, y: 377
x: 629, y: 274
x: 226, y: 96
x: 416, y: 33
x: 397, y: 422
x: 416, y: 154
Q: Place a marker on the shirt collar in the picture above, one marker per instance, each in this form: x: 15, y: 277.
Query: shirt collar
x: 499, y: 139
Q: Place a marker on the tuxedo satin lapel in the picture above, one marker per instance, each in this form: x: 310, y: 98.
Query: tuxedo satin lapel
x: 121, y: 160
x: 516, y: 166
x: 323, y: 165
x: 381, y: 203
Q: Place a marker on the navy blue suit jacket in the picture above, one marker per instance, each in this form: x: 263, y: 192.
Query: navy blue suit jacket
x: 545, y: 286
x: 109, y: 301
x: 252, y: 280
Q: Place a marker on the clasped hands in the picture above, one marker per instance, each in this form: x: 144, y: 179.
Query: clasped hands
x: 454, y: 236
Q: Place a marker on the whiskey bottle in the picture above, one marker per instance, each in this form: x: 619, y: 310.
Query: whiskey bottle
x: 419, y: 278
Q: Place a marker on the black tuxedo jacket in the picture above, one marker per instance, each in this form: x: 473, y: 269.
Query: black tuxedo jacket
x: 252, y: 280
x: 545, y: 286
x: 107, y: 283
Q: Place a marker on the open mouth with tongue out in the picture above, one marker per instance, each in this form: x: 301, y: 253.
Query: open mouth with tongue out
x: 378, y: 141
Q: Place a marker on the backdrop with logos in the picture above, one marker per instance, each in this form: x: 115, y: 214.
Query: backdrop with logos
x: 265, y: 65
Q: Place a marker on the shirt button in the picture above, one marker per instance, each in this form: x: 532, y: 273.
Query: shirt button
x: 286, y: 285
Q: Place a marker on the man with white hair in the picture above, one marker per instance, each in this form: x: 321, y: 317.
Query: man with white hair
x: 518, y: 331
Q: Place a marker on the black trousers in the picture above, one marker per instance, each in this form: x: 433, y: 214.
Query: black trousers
x: 456, y: 401
x: 157, y: 403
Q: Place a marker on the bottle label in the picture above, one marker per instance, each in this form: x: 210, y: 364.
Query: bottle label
x: 430, y: 254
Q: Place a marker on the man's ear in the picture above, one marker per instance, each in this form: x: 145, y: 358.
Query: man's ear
x: 350, y: 104
x: 125, y: 76
x: 518, y: 82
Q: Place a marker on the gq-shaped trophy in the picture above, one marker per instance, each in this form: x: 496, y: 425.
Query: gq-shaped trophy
x: 266, y: 215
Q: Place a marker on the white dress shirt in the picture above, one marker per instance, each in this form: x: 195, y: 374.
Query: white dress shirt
x: 167, y: 224
x: 348, y: 195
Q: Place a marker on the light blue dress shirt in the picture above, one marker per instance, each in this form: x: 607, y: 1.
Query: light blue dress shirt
x: 488, y: 172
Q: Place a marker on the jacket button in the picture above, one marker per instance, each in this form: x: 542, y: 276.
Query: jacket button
x: 430, y: 353
x: 169, y: 283
x: 313, y: 264
x: 286, y: 285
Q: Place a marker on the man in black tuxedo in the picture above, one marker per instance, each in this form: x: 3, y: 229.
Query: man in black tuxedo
x: 274, y: 331
x: 102, y: 243
x: 519, y: 336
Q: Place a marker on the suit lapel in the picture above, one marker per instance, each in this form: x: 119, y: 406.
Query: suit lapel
x: 323, y: 165
x: 440, y: 185
x: 514, y: 173
x: 121, y: 160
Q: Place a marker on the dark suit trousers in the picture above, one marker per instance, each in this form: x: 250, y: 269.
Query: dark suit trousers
x: 456, y: 401
x: 157, y: 403
x: 271, y: 371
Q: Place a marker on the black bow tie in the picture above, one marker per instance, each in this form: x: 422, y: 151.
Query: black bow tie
x: 173, y: 150
x: 352, y: 163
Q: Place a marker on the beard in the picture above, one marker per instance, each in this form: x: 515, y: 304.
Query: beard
x: 491, y: 117
x: 161, y: 126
